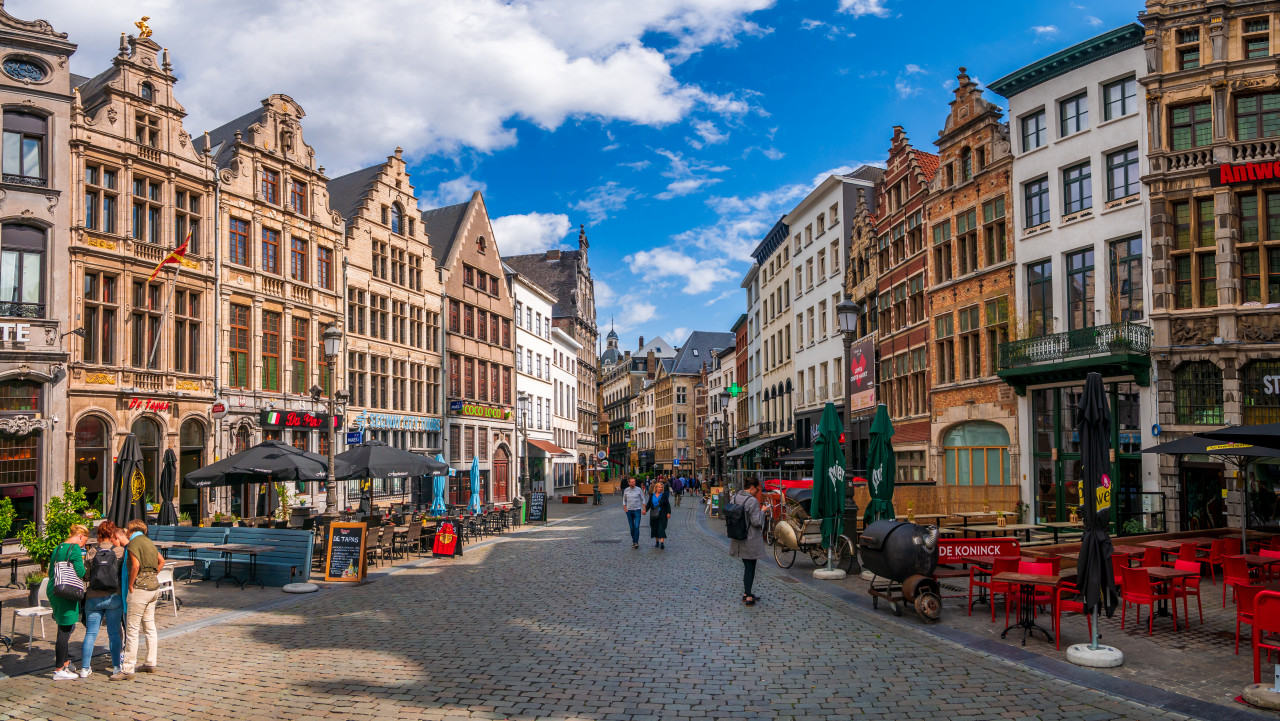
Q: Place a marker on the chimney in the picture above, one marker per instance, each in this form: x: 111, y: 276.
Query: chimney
x: 553, y: 255
x: 641, y: 343
x: 650, y: 365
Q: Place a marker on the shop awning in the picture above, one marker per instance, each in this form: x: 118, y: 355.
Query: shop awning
x: 755, y: 444
x: 549, y: 448
x: 802, y: 457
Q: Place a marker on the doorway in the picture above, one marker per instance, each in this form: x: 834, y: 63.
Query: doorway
x: 501, y: 471
x: 1202, y: 504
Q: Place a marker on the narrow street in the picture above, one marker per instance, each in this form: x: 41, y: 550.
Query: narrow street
x: 567, y: 622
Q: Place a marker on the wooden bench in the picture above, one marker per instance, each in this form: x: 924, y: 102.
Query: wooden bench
x: 188, y: 534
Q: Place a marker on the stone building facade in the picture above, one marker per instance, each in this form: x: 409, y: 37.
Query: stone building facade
x: 564, y: 419
x: 536, y: 355
x: 144, y: 364
x: 971, y: 296
x: 280, y: 259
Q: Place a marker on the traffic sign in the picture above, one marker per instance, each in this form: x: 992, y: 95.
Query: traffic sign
x: 355, y: 438
x: 601, y: 455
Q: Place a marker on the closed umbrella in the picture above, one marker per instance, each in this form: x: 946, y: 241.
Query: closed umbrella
x: 828, y: 479
x: 883, y: 466
x: 168, y: 515
x: 1093, y: 569
x: 474, y: 506
x: 438, y: 483
x: 130, y: 485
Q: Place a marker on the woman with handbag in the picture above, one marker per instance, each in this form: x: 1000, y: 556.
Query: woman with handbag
x: 658, y: 506
x: 65, y: 594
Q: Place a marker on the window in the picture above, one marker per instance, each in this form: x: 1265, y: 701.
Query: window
x: 1190, y: 126
x: 324, y: 267
x: 298, y: 196
x: 1122, y: 173
x: 147, y: 92
x: 1182, y: 297
x: 270, y: 351
x: 100, y: 198
x: 942, y: 270
x: 1259, y: 255
x: 186, y: 219
x: 1120, y: 98
x: 298, y: 355
x: 146, y: 133
x: 186, y: 331
x: 944, y: 330
x: 1077, y: 188
x: 970, y: 356
x: 1208, y: 279
x: 1040, y: 298
x: 22, y: 271
x: 1074, y: 114
x: 1080, y: 290
x: 238, y: 345
x: 966, y: 165
x: 271, y: 187
x: 994, y: 231
x: 1189, y: 50
x: 397, y: 219
x: 682, y: 425
x: 99, y: 318
x: 916, y: 286
x: 1257, y: 42
x: 1258, y: 116
x: 1126, y: 280
x: 977, y: 454
x: 1259, y: 405
x: 298, y: 259
x: 238, y: 250
x: 146, y: 210
x: 1198, y: 393
x: 1036, y: 199
x: 270, y: 251
x: 967, y: 241
x: 1035, y: 131
x: 997, y: 312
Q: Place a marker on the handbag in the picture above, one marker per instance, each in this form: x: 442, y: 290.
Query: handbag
x: 67, y: 584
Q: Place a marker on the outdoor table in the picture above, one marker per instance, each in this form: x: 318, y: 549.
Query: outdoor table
x: 966, y: 515
x: 1129, y: 550
x: 1027, y: 583
x: 228, y: 550
x: 398, y: 532
x: 189, y: 546
x: 925, y: 516
x: 1059, y: 526
x: 1256, y: 561
x: 1160, y: 574
x: 1008, y: 528
x: 13, y: 560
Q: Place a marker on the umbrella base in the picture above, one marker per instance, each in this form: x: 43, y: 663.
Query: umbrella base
x: 1262, y: 695
x: 824, y: 574
x: 300, y: 588
x: 1082, y: 654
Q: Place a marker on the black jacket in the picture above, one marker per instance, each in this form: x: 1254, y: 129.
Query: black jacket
x: 664, y: 505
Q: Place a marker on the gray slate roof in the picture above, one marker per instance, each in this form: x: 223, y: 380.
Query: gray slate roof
x: 441, y: 226
x: 701, y: 347
x: 610, y: 355
x: 78, y: 80
x: 558, y: 277
x: 93, y: 90
x: 347, y: 191
x: 867, y: 172
x: 224, y: 136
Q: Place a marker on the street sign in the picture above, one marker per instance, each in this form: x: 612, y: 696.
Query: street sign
x: 676, y: 462
x: 601, y: 455
x: 603, y: 464
x: 355, y: 438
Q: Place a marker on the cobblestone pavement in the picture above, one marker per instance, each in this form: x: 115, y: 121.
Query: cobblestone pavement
x: 567, y: 622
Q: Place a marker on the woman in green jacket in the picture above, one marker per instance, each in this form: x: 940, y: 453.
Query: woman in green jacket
x: 66, y: 612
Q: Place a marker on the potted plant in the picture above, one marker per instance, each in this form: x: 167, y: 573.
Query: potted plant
x: 32, y: 580
x: 184, y: 518
x: 7, y: 514
x: 1000, y: 519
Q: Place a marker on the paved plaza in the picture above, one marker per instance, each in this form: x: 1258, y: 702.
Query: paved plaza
x: 567, y: 622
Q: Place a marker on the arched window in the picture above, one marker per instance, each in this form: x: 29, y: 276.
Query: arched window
x: 147, y: 92
x: 480, y: 244
x: 191, y: 441
x: 1260, y: 390
x: 91, y: 457
x: 25, y: 136
x: 977, y: 454
x: 21, y: 271
x: 242, y: 439
x: 148, y: 433
x: 397, y: 219
x: 1198, y: 393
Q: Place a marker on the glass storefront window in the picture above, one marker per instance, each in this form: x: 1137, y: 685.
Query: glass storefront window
x: 977, y: 454
x: 92, y: 463
x: 1128, y: 419
x: 23, y: 498
x: 191, y: 457
x: 1046, y: 491
x: 1070, y: 404
x: 1264, y: 494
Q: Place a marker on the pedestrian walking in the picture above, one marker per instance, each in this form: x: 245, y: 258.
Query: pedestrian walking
x: 104, y: 597
x: 633, y: 506
x: 143, y: 591
x: 677, y: 489
x: 752, y: 547
x: 66, y: 611
x: 659, y: 503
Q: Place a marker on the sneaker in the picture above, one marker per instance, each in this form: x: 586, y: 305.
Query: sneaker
x: 663, y: 546
x: 121, y: 676
x: 64, y: 674
x: 86, y: 672
x: 635, y: 545
x: 115, y: 670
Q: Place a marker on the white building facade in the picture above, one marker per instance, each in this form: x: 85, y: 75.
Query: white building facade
x: 564, y: 408
x: 535, y: 390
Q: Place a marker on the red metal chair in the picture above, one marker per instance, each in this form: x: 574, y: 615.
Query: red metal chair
x: 1185, y: 587
x: 1043, y: 597
x: 1152, y: 558
x: 1271, y: 570
x: 1246, y: 597
x: 1235, y: 572
x: 1217, y: 551
x: 1119, y: 562
x: 1266, y: 620
x: 999, y: 565
x: 1066, y: 597
x: 1139, y: 590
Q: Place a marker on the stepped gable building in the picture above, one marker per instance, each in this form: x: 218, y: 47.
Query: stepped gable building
x: 144, y: 364
x: 567, y: 275
x: 1211, y: 92
x: 280, y: 287
x: 971, y: 295
x: 622, y: 376
x: 903, y: 272
x: 37, y: 190
x: 479, y: 352
x: 394, y: 343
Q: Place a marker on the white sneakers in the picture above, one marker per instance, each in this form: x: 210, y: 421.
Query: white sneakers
x: 65, y: 674
x: 86, y: 672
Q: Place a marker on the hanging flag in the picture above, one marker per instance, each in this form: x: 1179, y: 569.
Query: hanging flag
x: 174, y: 256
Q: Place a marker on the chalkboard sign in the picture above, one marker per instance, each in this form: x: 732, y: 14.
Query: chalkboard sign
x: 344, y: 559
x: 537, y: 507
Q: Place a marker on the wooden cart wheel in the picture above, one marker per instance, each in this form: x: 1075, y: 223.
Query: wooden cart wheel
x: 783, y: 555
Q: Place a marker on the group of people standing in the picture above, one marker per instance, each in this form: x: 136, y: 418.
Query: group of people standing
x: 121, y: 590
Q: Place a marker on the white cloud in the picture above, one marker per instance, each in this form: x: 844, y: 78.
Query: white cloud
x: 604, y: 293
x: 637, y: 165
x: 913, y: 69
x: 904, y: 88
x: 709, y: 133
x: 687, y: 176
x: 665, y: 264
x: 464, y: 71
x: 688, y: 186
x: 858, y: 8
x: 1044, y: 31
x: 636, y: 313
x: 603, y: 200
x: 610, y: 146
x: 676, y: 336
x: 530, y: 232
x: 1093, y: 21
x: 450, y: 192
x: 831, y: 30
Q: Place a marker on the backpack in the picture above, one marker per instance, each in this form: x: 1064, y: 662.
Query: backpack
x: 104, y: 571
x: 735, y: 520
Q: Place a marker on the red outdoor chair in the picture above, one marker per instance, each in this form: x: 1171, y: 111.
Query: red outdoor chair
x: 1266, y: 620
x: 1119, y: 562
x: 1185, y: 587
x: 1139, y: 590
x: 981, y: 578
x: 1043, y: 597
x: 1188, y: 552
x: 1271, y: 570
x: 1152, y: 558
x: 1235, y: 572
x: 1217, y: 551
x: 1067, y: 599
x: 1246, y: 597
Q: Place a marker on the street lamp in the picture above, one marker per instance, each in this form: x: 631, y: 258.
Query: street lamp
x: 725, y: 398
x: 522, y: 423
x: 332, y: 347
x: 848, y: 313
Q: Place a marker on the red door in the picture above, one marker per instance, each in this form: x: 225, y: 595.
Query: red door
x: 501, y: 469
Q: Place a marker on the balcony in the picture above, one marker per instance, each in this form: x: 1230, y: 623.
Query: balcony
x: 26, y: 180
x: 21, y: 310
x: 1116, y: 349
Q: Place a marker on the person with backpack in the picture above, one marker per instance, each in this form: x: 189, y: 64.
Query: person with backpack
x: 744, y: 525
x: 103, y: 599
x: 63, y: 597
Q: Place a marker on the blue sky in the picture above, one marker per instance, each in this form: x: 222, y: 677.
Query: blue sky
x: 677, y: 131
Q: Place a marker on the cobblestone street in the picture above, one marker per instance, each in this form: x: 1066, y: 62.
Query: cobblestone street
x: 567, y: 622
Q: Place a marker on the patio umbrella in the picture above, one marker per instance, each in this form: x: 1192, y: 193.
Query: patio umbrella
x: 438, y: 483
x: 474, y: 506
x: 883, y: 466
x: 375, y: 459
x: 268, y: 461
x: 168, y: 516
x: 1093, y: 569
x: 1266, y: 435
x: 828, y: 476
x: 130, y: 484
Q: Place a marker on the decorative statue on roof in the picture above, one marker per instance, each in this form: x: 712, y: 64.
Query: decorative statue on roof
x: 144, y: 31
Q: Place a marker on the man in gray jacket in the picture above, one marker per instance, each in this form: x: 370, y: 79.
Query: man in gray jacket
x: 633, y: 504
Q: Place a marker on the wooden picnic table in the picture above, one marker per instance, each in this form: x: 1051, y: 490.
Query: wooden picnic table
x: 1059, y: 526
x: 964, y: 516
x: 1027, y: 583
x: 1007, y: 528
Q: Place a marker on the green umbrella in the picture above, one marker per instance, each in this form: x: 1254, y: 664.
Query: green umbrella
x: 883, y: 466
x: 828, y: 476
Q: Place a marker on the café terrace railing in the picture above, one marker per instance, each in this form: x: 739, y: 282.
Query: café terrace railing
x: 1114, y: 339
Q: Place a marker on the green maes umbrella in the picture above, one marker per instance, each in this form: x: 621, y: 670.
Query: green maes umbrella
x: 883, y: 466
x: 828, y: 476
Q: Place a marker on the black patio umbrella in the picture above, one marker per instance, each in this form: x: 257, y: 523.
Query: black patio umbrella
x: 1093, y: 569
x: 168, y: 515
x: 375, y: 459
x: 1266, y: 435
x: 129, y: 489
x: 264, y: 463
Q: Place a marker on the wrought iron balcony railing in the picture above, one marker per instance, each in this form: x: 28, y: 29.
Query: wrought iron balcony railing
x: 21, y: 310
x: 1114, y: 339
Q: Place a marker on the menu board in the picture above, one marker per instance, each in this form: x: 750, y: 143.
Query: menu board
x: 537, y: 508
x: 344, y: 559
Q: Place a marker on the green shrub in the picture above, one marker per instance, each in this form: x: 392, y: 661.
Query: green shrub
x: 7, y: 514
x: 1133, y: 527
x: 60, y: 514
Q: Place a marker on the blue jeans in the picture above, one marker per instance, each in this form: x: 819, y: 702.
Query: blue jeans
x: 108, y: 609
x: 633, y: 520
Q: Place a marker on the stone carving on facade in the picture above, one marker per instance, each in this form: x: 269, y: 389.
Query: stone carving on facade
x: 1193, y: 331
x: 1259, y: 328
x: 39, y: 27
x: 188, y: 385
x: 183, y: 138
x: 53, y: 202
x: 100, y: 379
x: 24, y: 425
x: 112, y: 115
x: 50, y: 334
x: 1218, y: 38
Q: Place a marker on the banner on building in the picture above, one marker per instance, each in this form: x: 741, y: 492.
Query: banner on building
x: 862, y: 374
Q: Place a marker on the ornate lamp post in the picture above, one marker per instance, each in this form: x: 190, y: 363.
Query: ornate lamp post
x: 522, y: 438
x: 332, y: 337
x: 848, y: 313
x: 725, y: 398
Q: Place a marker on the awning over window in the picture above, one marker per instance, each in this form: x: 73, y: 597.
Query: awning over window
x: 548, y: 448
x: 755, y: 444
